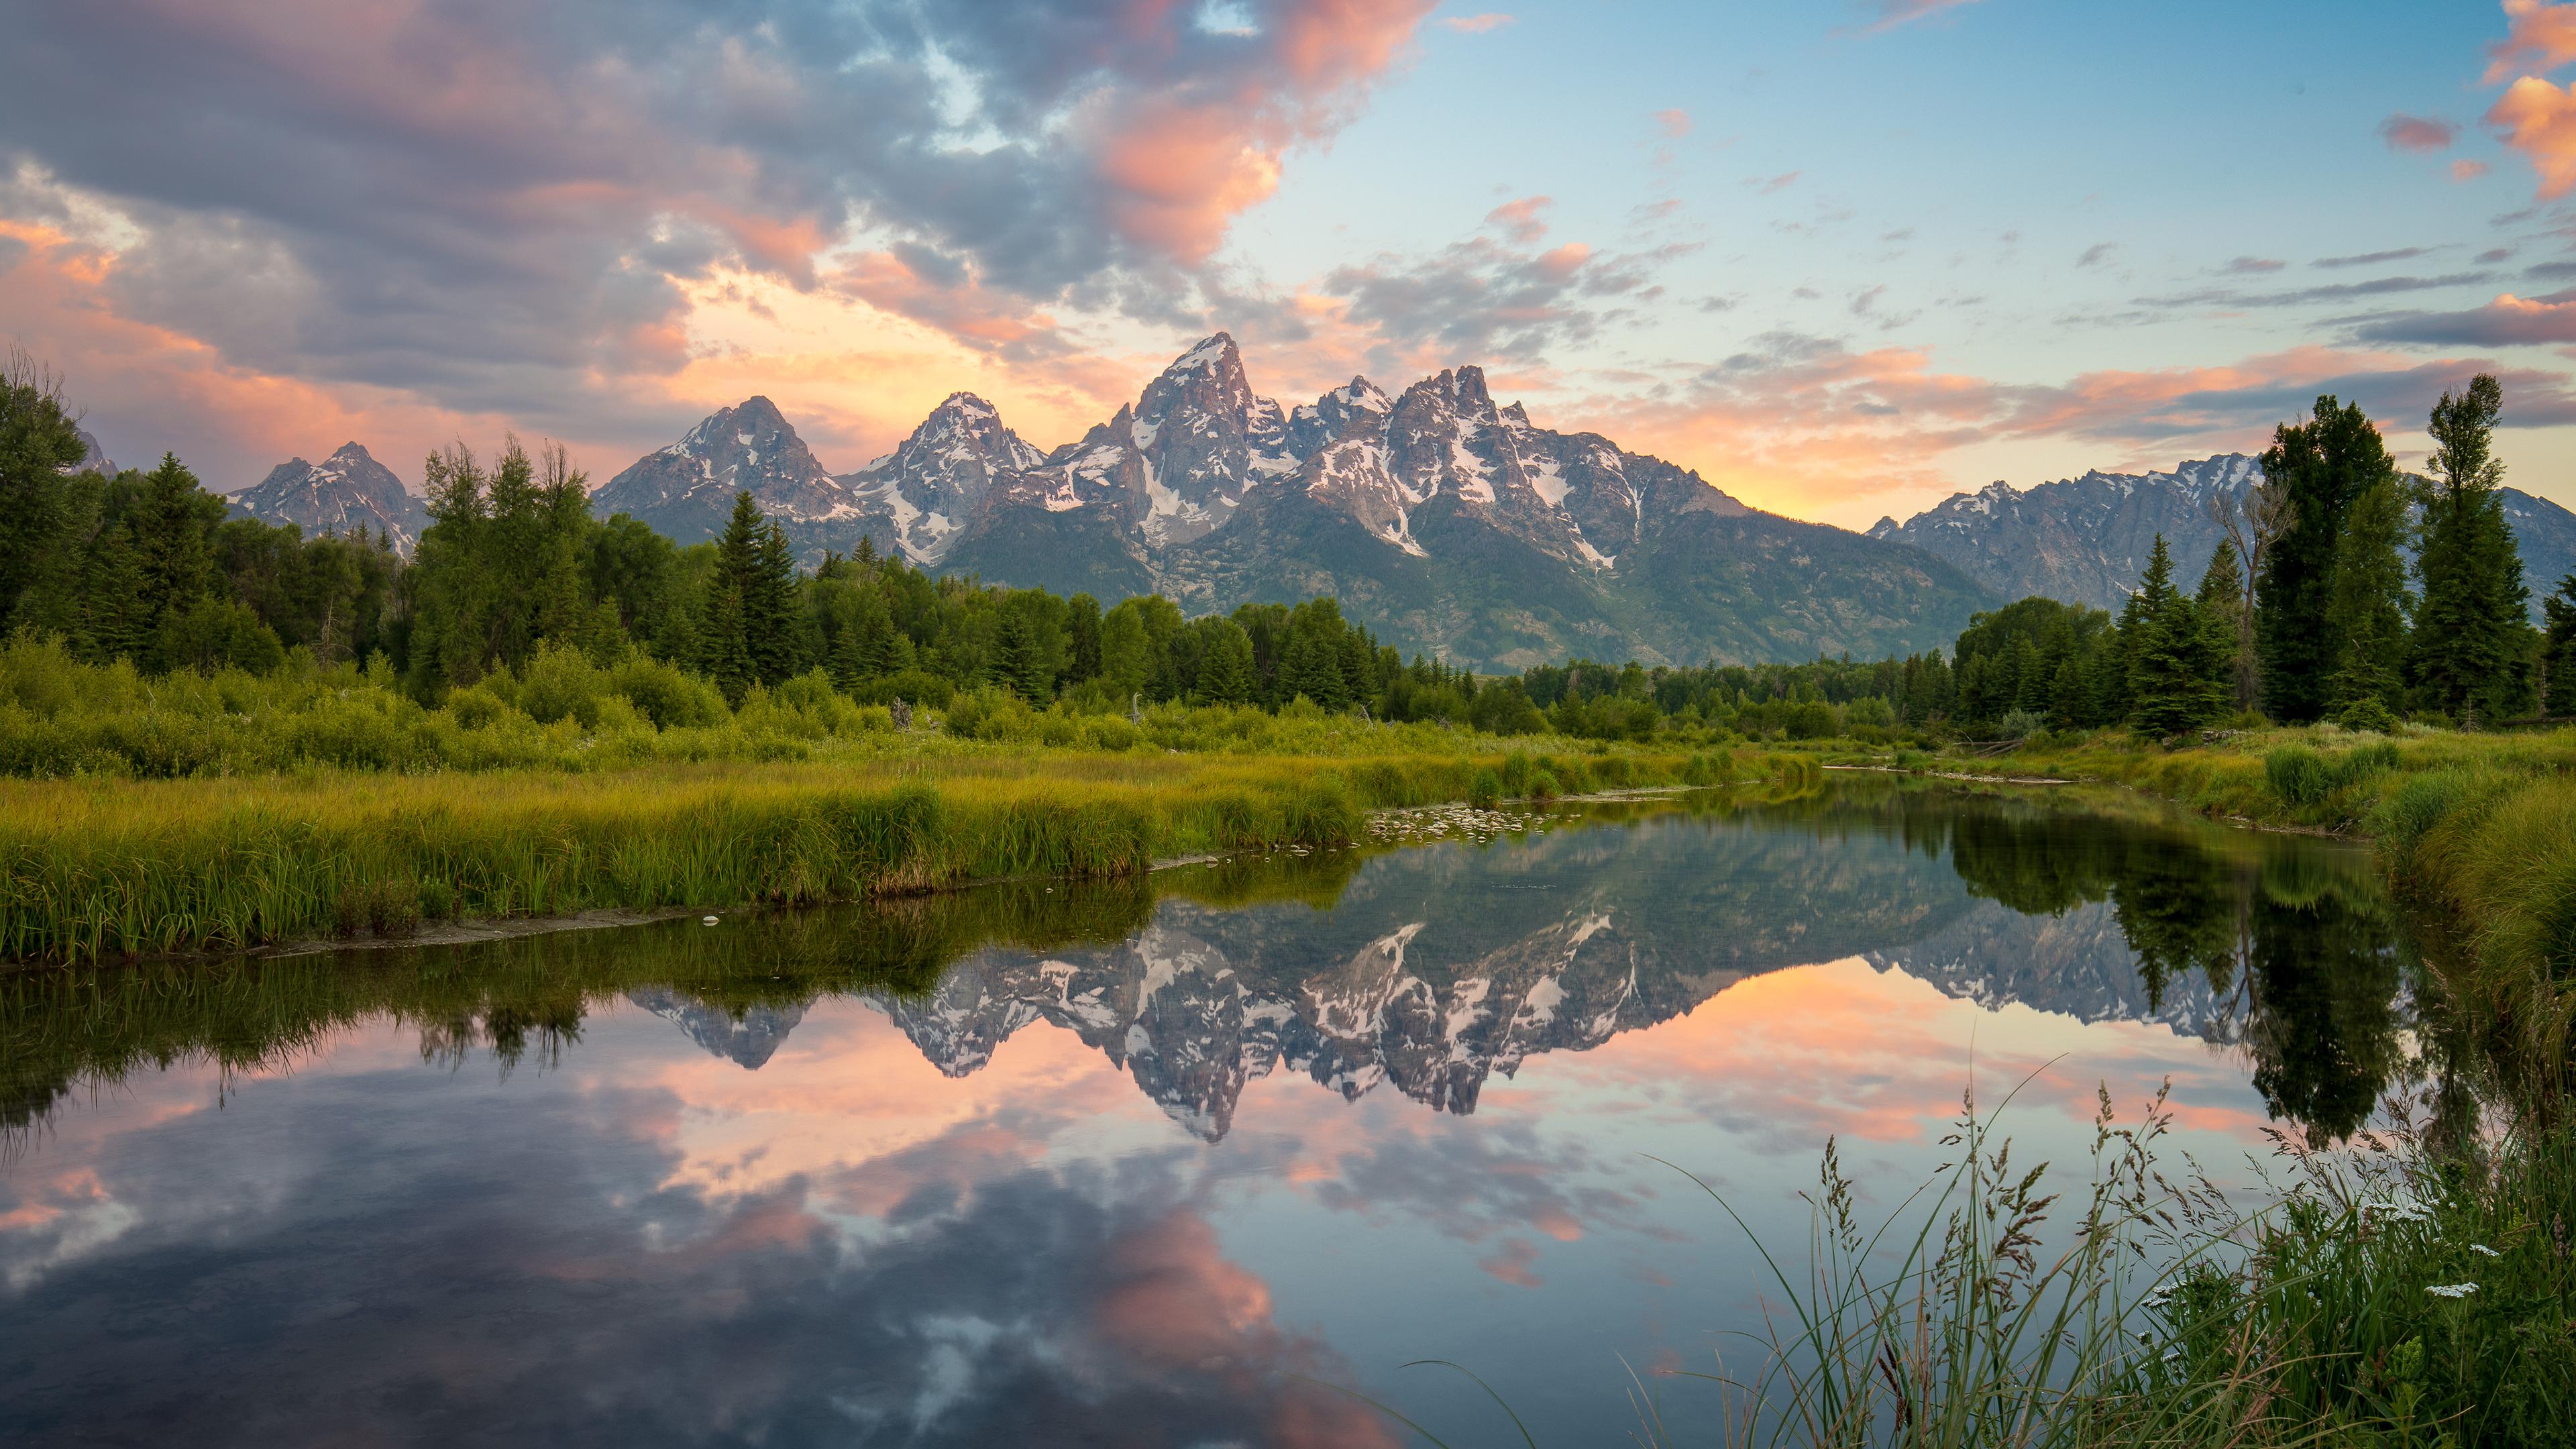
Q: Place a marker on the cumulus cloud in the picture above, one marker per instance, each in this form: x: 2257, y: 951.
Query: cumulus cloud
x: 1481, y: 299
x: 2403, y: 132
x: 1521, y: 220
x: 2466, y: 170
x: 2538, y: 36
x: 1674, y: 123
x: 2539, y: 120
x: 506, y: 207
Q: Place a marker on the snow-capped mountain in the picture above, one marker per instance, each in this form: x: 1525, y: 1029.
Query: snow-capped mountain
x: 926, y: 492
x: 2086, y: 540
x: 1451, y: 525
x: 94, y: 458
x: 686, y: 489
x: 1426, y: 980
x: 344, y: 494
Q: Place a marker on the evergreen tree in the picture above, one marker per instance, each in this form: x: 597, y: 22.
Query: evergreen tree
x: 769, y: 608
x: 2223, y: 607
x: 2321, y: 466
x: 2469, y: 640
x: 2176, y: 673
x: 2367, y: 603
x: 1225, y: 663
x: 848, y: 664
x: 2558, y: 650
x: 168, y: 525
x: 114, y: 623
x: 38, y: 440
x: 1311, y: 666
x: 735, y: 607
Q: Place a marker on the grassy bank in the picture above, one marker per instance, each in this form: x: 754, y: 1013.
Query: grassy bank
x: 2478, y: 829
x: 100, y: 867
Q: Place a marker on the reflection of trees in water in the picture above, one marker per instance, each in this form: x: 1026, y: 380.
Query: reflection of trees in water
x: 2296, y: 938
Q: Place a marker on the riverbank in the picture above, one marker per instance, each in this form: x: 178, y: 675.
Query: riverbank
x: 105, y: 867
x: 2479, y: 829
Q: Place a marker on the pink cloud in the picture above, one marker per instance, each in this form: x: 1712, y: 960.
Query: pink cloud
x: 2539, y: 120
x: 2467, y: 170
x: 1521, y: 220
x: 2539, y: 36
x: 2403, y: 132
x: 1675, y: 123
x: 1486, y: 23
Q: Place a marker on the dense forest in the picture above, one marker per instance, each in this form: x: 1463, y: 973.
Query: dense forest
x: 2310, y: 611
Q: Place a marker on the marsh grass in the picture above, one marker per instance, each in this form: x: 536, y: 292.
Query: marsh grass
x: 2381, y: 1294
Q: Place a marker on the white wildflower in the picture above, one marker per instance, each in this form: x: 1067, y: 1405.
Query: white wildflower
x: 2483, y: 1248
x: 2452, y: 1290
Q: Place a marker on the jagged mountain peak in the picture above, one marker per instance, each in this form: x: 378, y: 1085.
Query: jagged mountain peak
x: 347, y: 493
x: 1455, y: 526
x: 2086, y: 539
x: 686, y: 488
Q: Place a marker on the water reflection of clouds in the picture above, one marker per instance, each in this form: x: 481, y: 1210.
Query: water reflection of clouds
x: 555, y: 1282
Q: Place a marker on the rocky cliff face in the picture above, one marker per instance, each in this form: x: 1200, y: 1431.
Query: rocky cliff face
x: 345, y: 493
x: 1450, y: 524
x: 2086, y: 540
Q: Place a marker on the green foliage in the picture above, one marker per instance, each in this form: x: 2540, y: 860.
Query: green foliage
x: 2322, y: 465
x: 2297, y: 774
x: 2179, y: 661
x: 2367, y: 604
x: 2470, y: 638
x: 1485, y: 791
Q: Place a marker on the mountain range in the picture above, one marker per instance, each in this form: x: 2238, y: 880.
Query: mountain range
x: 1437, y: 970
x: 1450, y: 524
x: 344, y: 494
x: 2086, y: 540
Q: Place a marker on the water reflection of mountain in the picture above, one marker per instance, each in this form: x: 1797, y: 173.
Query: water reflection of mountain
x: 749, y: 1037
x: 1436, y: 968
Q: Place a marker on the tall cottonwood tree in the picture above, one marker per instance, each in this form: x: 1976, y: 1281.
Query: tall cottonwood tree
x: 2321, y: 466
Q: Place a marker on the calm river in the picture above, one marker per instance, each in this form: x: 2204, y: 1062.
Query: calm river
x: 1154, y: 1164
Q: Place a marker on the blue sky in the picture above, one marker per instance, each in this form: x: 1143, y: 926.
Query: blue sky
x: 1842, y: 259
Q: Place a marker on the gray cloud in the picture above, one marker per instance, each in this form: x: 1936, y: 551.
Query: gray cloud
x: 2372, y: 259
x: 496, y: 204
x: 2300, y: 296
x: 1481, y: 298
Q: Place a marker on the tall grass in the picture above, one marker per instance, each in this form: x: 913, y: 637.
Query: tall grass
x: 99, y: 868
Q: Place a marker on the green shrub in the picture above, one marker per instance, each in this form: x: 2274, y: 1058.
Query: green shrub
x: 2367, y: 713
x: 1485, y: 791
x: 2298, y: 775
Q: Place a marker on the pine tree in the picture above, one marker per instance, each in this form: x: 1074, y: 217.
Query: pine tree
x: 2223, y: 606
x: 1225, y: 663
x: 38, y: 439
x: 848, y: 665
x: 168, y: 525
x: 2367, y: 605
x: 730, y: 655
x: 2558, y: 650
x: 769, y: 610
x: 2469, y: 640
x: 2321, y: 466
x: 2175, y: 670
x: 114, y: 625
x: 1312, y: 664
